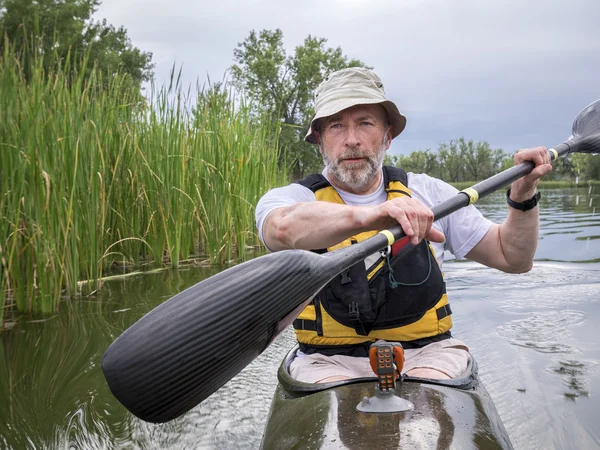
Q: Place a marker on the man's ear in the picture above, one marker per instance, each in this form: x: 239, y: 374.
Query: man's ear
x: 389, y: 134
x: 319, y: 141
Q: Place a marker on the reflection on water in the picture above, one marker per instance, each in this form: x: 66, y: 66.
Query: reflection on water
x: 571, y: 211
x: 535, y: 338
x: 52, y: 391
x: 534, y: 335
x: 575, y: 377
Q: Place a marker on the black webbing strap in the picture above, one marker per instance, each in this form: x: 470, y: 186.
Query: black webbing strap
x: 444, y: 311
x: 314, y: 182
x: 301, y: 324
x: 310, y: 325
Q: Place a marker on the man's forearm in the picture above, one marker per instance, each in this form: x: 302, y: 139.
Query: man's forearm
x: 519, y: 237
x: 312, y: 225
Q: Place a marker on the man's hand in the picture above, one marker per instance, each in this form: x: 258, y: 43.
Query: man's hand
x: 525, y: 188
x: 511, y: 246
x: 415, y: 219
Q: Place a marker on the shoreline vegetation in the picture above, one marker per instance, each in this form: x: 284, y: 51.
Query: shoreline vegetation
x: 551, y: 184
x: 95, y: 178
x: 93, y: 175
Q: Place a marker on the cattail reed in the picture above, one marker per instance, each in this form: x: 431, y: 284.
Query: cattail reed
x: 92, y: 174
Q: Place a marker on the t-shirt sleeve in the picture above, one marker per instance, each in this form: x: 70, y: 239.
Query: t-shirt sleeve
x: 279, y: 198
x: 464, y: 228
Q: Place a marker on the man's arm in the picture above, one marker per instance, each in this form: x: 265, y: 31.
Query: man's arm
x: 315, y: 225
x: 511, y: 246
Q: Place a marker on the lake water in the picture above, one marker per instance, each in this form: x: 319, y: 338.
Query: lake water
x: 535, y: 337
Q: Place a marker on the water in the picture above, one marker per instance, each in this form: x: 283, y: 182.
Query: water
x: 534, y: 336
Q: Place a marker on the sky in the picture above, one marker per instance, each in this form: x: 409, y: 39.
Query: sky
x: 514, y: 73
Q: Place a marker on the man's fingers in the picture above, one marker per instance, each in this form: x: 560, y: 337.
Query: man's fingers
x: 435, y: 235
x: 538, y: 172
x: 542, y: 170
x: 541, y: 158
x: 404, y: 222
x: 539, y: 155
x: 424, y: 224
x: 414, y: 218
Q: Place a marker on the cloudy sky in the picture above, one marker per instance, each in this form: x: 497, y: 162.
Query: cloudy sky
x: 512, y: 72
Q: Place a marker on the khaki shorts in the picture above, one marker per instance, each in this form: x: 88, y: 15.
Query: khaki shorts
x: 449, y: 356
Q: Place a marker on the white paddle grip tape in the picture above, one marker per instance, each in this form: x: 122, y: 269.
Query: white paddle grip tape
x: 473, y: 195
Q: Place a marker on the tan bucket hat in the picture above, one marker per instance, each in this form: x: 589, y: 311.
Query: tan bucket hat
x: 349, y: 87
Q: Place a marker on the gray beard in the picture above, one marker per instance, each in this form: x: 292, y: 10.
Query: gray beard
x: 355, y: 176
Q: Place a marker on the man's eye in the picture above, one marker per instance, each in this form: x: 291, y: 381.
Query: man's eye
x: 335, y: 125
x: 367, y: 123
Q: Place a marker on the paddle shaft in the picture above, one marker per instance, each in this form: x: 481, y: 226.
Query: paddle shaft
x: 353, y: 254
x: 484, y: 188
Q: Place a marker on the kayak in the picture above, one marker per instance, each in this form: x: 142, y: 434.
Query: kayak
x: 447, y: 414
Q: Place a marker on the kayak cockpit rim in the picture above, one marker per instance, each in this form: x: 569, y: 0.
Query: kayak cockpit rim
x: 467, y: 381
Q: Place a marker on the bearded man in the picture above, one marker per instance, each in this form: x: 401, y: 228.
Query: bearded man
x: 395, y: 299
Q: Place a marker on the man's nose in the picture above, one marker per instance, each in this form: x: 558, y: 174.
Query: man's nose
x: 352, y: 139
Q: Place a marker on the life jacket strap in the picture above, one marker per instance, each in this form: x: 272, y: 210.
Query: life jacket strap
x: 310, y: 325
x: 443, y: 311
x: 354, y: 315
x: 302, y: 324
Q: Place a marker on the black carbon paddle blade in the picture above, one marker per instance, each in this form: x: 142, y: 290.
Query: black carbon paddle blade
x: 173, y: 358
x: 586, y: 129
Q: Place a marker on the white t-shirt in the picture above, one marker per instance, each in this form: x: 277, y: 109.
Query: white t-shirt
x: 463, y: 229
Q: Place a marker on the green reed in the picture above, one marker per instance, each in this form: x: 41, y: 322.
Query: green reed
x: 92, y: 175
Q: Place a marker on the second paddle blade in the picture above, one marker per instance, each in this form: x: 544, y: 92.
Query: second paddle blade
x: 586, y: 129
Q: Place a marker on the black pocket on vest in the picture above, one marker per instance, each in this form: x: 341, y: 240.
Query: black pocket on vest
x: 416, y: 285
x: 348, y: 299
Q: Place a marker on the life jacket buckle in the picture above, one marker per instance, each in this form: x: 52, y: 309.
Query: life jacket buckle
x: 353, y: 312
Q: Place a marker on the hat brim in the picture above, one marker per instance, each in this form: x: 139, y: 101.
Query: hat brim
x: 397, y: 120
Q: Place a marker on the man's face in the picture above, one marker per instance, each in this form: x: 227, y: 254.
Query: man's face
x: 353, y: 144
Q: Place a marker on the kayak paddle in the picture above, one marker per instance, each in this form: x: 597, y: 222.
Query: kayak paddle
x: 185, y: 349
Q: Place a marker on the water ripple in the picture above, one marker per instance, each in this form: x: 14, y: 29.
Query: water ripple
x: 544, y: 332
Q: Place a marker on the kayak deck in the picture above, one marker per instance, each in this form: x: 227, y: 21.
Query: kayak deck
x: 448, y: 414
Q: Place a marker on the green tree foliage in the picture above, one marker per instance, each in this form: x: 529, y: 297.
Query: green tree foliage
x: 454, y: 161
x: 481, y: 161
x: 421, y: 161
x: 282, y: 87
x: 57, y: 30
x: 585, y: 167
x: 468, y: 161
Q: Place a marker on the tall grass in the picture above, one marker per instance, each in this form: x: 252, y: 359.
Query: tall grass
x: 91, y: 175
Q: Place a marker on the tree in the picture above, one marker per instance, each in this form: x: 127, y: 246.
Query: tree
x: 481, y: 161
x: 59, y: 29
x: 585, y: 167
x: 421, y: 161
x: 455, y: 161
x: 282, y: 86
x: 452, y: 161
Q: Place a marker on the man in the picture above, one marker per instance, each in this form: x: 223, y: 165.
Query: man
x: 390, y: 298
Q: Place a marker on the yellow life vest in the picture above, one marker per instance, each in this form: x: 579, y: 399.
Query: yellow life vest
x: 395, y: 299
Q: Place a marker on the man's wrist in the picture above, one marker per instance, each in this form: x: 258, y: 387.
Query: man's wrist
x: 526, y: 205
